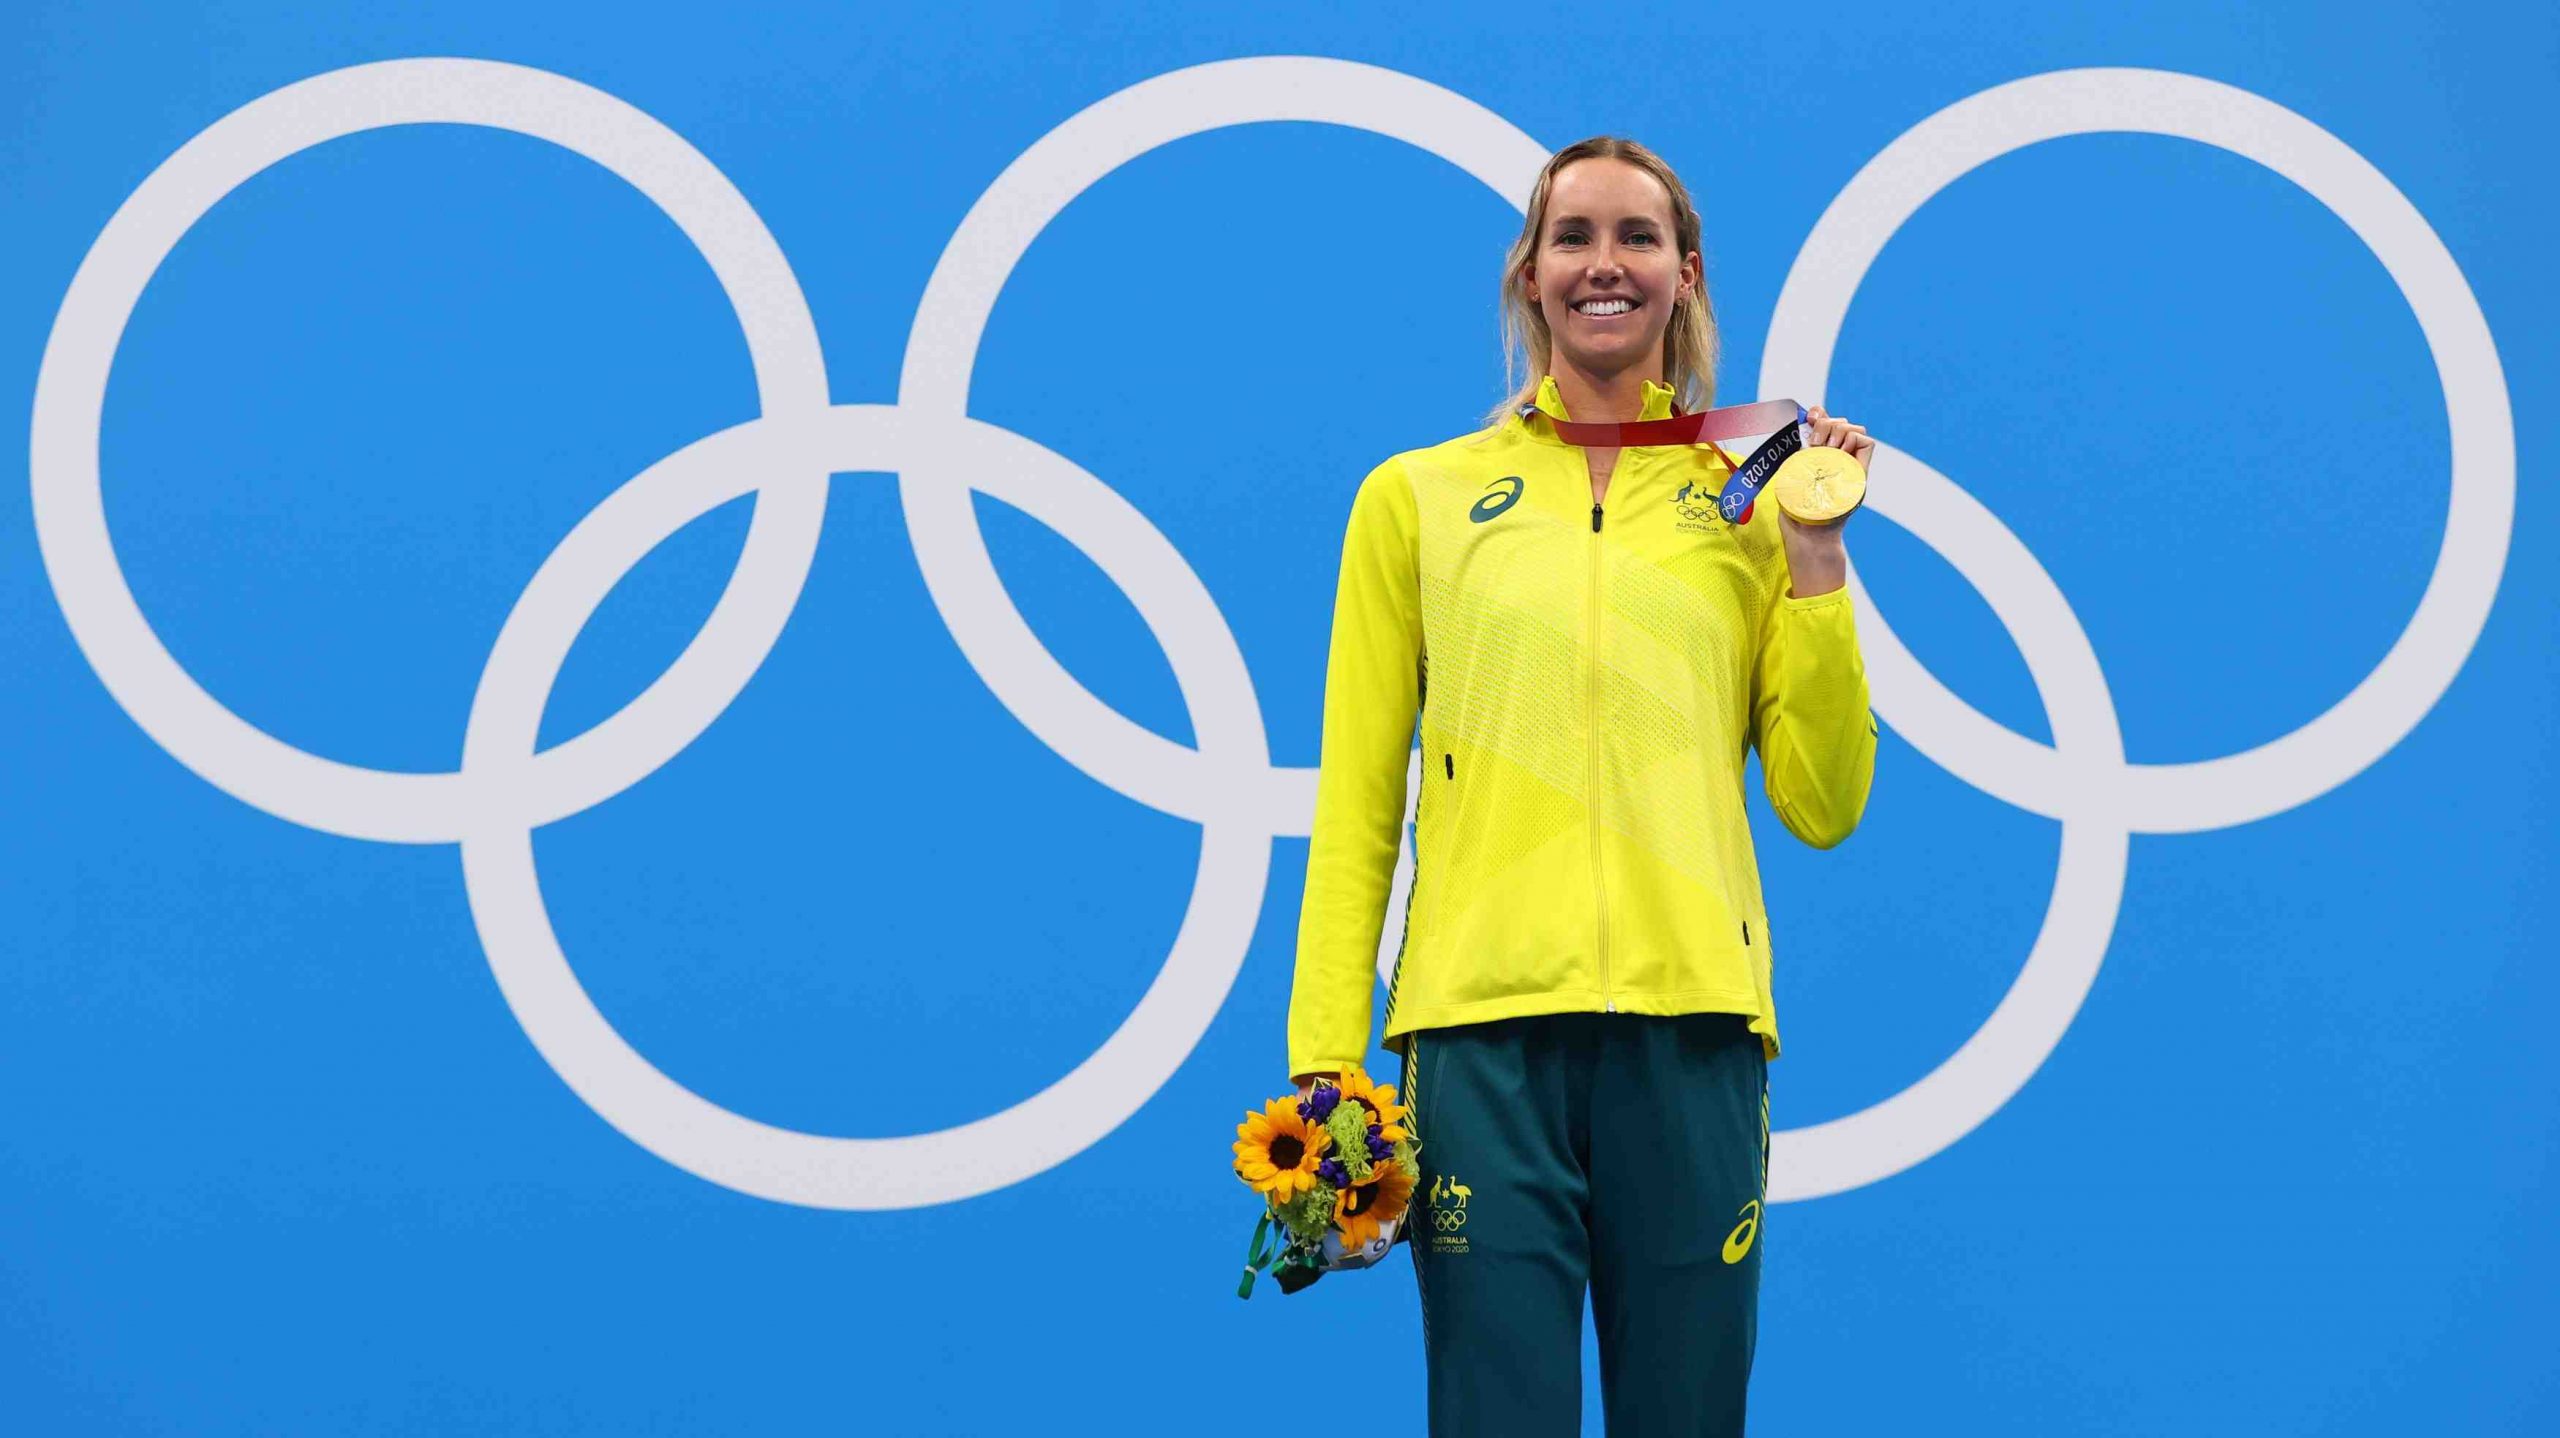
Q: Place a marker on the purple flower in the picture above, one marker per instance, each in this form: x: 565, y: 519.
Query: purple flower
x: 1379, y: 1149
x: 1332, y: 1172
x: 1319, y: 1102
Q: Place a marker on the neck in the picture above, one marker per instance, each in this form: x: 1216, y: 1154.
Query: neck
x: 1615, y: 397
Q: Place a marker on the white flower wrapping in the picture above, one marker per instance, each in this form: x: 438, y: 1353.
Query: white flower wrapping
x: 1338, y: 1257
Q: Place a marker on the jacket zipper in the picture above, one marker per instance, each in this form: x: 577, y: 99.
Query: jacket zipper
x: 1599, y: 887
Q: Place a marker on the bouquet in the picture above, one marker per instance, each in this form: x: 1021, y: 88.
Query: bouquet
x: 1336, y: 1171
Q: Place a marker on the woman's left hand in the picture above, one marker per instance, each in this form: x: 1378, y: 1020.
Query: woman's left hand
x: 1817, y: 557
x: 1838, y: 433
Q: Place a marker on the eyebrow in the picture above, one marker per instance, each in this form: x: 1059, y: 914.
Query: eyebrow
x: 1586, y: 219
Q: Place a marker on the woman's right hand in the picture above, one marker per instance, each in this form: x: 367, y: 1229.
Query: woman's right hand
x: 1307, y: 1083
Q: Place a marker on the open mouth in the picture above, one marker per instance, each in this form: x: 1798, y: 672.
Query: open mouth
x: 1608, y: 309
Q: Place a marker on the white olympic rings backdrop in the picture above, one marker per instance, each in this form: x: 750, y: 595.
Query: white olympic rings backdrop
x: 505, y: 789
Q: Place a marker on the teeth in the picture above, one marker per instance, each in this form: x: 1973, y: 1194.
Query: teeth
x: 1604, y: 307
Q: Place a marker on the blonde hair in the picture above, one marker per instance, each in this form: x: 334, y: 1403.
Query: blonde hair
x: 1688, y: 344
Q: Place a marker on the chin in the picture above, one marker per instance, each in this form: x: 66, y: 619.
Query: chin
x: 1611, y: 355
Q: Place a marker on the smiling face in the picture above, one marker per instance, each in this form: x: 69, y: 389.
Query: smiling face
x: 1608, y: 268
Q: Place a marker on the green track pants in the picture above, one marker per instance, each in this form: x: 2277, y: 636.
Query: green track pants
x: 1627, y: 1152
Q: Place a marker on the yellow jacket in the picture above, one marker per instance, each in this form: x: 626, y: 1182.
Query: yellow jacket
x: 1587, y: 678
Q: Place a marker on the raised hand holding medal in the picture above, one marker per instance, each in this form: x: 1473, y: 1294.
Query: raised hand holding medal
x: 1818, y: 488
x: 1821, y: 484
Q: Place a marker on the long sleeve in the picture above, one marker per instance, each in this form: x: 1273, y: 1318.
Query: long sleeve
x: 1372, y: 689
x: 1809, y: 715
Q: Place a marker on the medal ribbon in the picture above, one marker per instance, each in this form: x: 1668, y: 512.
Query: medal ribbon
x: 1783, y: 416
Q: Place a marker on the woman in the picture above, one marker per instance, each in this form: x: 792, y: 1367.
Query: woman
x: 1582, y: 993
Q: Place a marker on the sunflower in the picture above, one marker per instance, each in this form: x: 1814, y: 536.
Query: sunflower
x: 1277, y: 1151
x: 1380, y: 1100
x: 1360, y: 1210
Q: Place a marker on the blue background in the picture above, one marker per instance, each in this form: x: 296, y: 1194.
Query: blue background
x: 276, y: 1157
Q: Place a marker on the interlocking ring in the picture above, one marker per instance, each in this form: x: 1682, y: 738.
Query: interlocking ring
x: 505, y: 788
x: 2083, y: 778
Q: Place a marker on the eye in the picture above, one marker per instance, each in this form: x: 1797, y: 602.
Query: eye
x: 1568, y: 236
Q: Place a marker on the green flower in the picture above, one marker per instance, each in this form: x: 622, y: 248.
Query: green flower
x: 1308, y: 1215
x: 1349, y: 1126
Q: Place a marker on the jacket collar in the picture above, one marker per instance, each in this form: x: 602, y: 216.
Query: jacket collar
x: 1657, y: 402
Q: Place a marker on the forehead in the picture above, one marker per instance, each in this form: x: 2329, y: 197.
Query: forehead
x: 1608, y: 189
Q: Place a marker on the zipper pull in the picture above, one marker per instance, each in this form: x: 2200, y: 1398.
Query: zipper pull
x: 1595, y: 516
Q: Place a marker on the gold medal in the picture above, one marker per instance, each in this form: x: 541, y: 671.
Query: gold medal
x: 1817, y: 485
